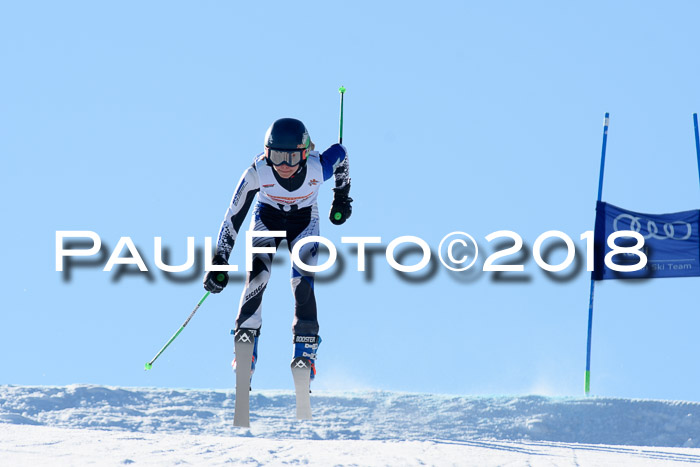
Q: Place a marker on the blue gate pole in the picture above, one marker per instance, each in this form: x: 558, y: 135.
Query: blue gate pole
x: 587, y: 384
x: 697, y: 139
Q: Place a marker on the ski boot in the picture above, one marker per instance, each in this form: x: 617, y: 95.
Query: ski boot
x: 304, y: 371
x: 305, y: 348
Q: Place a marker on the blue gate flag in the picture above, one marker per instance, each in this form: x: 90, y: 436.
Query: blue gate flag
x: 671, y: 243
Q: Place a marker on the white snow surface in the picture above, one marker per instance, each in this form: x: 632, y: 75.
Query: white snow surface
x: 84, y: 424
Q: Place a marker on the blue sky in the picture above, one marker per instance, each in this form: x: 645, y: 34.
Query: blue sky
x: 137, y: 120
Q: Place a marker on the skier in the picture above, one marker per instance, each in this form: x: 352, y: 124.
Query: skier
x: 287, y: 176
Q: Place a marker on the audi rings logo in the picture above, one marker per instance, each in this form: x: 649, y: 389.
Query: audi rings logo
x: 676, y: 230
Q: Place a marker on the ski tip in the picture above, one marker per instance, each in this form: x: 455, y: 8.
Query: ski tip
x: 148, y: 366
x: 342, y: 90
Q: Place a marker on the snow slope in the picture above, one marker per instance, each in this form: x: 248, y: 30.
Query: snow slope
x: 35, y: 446
x: 81, y: 424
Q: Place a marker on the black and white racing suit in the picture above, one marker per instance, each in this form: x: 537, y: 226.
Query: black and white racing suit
x: 283, y: 204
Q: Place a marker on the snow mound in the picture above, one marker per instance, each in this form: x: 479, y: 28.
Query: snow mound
x: 367, y: 416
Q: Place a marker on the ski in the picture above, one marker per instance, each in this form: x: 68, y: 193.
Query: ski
x: 301, y: 371
x: 244, y: 342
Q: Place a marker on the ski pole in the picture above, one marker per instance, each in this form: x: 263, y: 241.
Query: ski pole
x: 149, y: 365
x: 342, y: 94
x: 338, y: 215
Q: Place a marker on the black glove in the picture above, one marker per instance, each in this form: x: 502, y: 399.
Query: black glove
x: 341, y: 208
x: 215, y: 281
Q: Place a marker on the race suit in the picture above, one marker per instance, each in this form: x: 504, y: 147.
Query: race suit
x: 288, y: 205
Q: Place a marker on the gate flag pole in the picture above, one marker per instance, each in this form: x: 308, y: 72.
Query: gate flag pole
x: 697, y: 139
x: 590, y: 300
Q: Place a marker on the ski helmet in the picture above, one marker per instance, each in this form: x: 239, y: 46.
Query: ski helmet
x: 287, y: 134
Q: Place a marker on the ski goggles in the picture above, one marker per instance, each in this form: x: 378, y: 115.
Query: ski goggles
x: 291, y: 158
